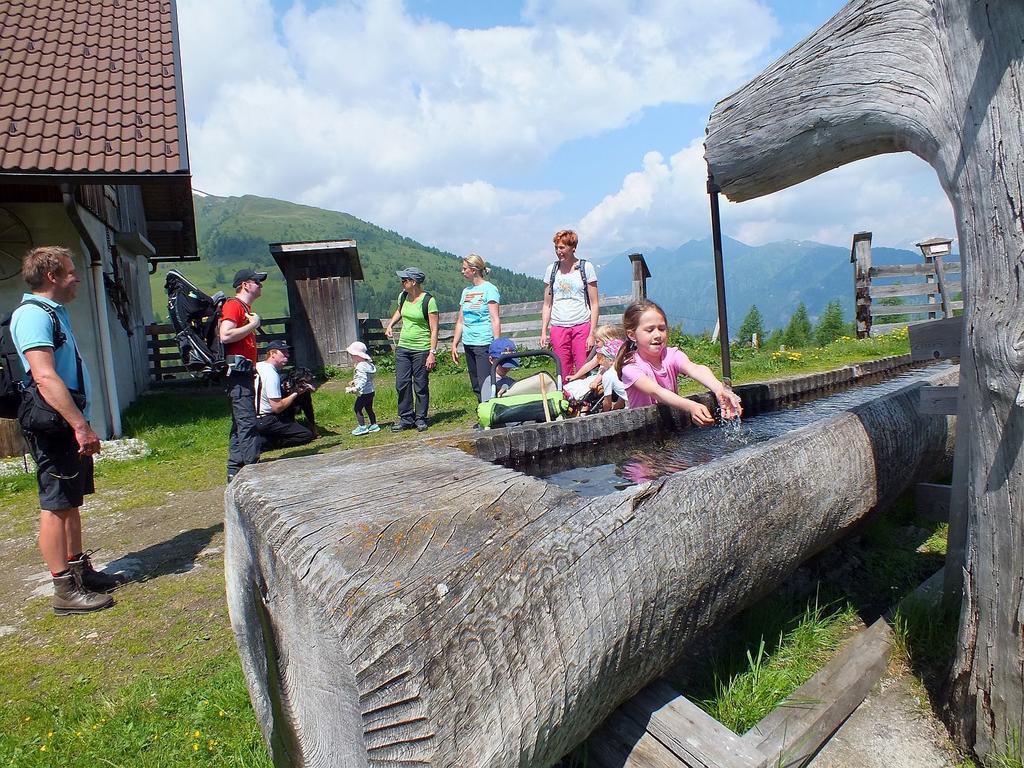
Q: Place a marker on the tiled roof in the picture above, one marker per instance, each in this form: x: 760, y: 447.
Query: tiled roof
x: 90, y: 86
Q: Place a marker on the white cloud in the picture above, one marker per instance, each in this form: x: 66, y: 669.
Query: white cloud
x: 897, y: 197
x: 356, y: 105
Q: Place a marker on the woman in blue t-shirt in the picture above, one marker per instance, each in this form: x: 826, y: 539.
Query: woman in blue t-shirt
x: 478, y: 322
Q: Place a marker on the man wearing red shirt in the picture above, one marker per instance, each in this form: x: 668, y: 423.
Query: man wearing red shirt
x: 238, y: 324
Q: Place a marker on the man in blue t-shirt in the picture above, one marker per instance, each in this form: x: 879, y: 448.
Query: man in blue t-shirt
x: 41, y: 330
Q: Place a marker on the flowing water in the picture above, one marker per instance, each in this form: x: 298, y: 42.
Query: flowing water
x: 597, y: 469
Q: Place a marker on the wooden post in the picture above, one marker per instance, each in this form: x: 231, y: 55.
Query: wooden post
x: 930, y: 280
x: 640, y: 275
x: 944, y: 297
x: 12, y: 443
x: 939, y: 78
x: 154, y: 352
x: 860, y: 257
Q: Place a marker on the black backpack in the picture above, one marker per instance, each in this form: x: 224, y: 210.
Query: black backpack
x: 196, y: 317
x: 583, y: 276
x: 12, y: 372
x: 426, y: 305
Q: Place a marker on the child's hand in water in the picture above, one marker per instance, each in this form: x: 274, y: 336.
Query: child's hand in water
x: 699, y: 414
x: 729, y: 402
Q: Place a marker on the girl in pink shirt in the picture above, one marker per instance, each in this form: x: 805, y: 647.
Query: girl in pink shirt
x: 649, y: 369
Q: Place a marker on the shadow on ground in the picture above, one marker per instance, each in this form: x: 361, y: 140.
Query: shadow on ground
x: 174, y: 556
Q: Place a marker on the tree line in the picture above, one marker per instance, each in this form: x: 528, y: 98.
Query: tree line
x: 799, y: 331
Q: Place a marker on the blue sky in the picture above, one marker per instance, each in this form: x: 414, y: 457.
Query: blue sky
x: 486, y: 127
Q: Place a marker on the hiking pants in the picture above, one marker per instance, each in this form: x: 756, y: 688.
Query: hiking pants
x: 411, y: 377
x: 244, y: 439
x: 281, y: 431
x: 478, y: 364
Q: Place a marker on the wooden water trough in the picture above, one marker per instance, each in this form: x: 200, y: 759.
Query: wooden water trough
x: 417, y: 605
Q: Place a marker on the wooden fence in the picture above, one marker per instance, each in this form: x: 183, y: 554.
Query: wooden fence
x: 165, y: 366
x: 936, y: 283
x: 519, y: 322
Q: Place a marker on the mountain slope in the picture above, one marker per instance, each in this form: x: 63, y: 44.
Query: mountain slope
x: 235, y: 232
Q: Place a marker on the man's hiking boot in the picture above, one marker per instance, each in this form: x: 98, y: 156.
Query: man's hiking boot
x: 91, y: 579
x: 70, y: 597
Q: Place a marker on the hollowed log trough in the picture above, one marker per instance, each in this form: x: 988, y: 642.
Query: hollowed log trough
x: 415, y: 605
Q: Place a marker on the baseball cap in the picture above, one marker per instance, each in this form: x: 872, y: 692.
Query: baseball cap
x: 281, y: 345
x: 413, y: 274
x: 503, y: 346
x: 248, y: 274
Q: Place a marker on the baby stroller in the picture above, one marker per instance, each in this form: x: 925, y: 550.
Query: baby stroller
x: 535, y: 398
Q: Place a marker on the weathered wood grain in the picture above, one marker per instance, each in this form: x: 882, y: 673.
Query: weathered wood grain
x: 931, y: 500
x: 691, y: 734
x: 425, y: 607
x: 936, y: 340
x: 941, y: 79
x: 942, y: 401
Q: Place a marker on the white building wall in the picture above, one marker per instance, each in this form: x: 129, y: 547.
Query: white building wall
x: 50, y: 225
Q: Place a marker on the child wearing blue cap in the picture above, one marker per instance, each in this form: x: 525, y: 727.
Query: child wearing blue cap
x: 499, y: 347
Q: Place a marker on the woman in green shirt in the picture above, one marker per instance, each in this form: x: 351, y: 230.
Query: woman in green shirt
x: 415, y: 355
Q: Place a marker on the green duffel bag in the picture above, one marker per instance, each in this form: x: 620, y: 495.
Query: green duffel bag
x: 514, y: 409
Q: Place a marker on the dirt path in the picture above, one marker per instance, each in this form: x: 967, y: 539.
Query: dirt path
x: 182, y: 534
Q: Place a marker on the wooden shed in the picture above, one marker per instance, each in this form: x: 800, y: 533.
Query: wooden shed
x: 321, y: 298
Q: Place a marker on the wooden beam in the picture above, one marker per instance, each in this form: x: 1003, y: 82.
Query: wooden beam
x: 913, y: 289
x: 937, y: 339
x: 940, y: 401
x: 797, y: 728
x: 932, y: 501
x: 624, y: 743
x: 907, y: 270
x: 690, y: 733
x: 877, y: 310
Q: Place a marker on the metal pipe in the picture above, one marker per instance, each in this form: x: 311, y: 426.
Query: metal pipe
x: 723, y: 320
x: 106, y: 348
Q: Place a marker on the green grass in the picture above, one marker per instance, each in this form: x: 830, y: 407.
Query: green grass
x: 924, y: 635
x: 153, y: 682
x: 753, y: 678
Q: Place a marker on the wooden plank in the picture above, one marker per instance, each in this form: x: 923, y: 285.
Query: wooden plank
x: 940, y: 401
x: 690, y: 733
x: 912, y: 289
x: 905, y: 270
x: 937, y: 339
x: 621, y: 742
x: 879, y: 310
x: 797, y: 728
x: 932, y: 501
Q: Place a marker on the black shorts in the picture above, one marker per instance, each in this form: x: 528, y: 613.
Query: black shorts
x: 63, y: 475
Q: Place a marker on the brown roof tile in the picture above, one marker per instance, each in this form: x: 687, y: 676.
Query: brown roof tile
x: 89, y: 86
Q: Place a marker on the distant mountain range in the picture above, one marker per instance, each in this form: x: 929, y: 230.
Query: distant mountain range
x: 775, y: 276
x: 235, y: 231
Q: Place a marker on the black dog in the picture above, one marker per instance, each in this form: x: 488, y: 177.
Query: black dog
x: 301, y: 380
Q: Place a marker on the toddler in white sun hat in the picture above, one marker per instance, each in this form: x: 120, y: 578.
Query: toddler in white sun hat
x: 362, y: 388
